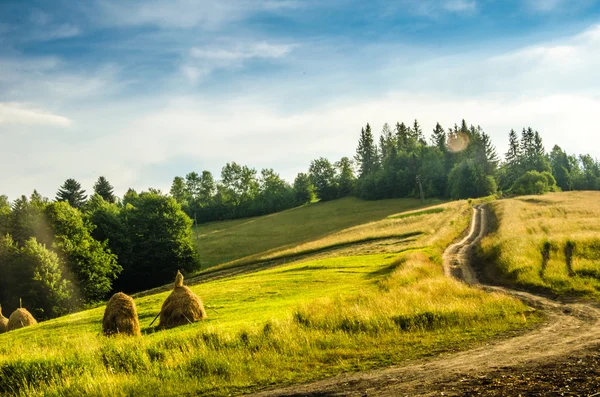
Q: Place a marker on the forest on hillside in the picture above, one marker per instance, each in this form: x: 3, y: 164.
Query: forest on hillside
x: 71, y: 252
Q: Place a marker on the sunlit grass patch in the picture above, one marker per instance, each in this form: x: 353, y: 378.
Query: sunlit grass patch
x: 550, y: 243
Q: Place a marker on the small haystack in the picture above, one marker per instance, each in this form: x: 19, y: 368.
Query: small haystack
x: 181, y: 307
x: 120, y: 316
x: 20, y: 318
x: 3, y: 322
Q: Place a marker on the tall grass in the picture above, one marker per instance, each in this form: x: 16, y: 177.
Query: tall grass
x: 302, y: 321
x: 549, y: 243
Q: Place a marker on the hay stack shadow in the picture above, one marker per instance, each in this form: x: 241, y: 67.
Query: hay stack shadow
x: 181, y: 307
x: 20, y: 318
x: 3, y: 323
x: 120, y: 316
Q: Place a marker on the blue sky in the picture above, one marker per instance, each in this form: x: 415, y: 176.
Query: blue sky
x: 142, y: 91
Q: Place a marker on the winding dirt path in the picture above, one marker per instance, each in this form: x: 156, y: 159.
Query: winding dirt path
x: 562, y: 357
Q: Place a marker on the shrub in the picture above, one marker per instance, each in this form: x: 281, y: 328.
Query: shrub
x: 533, y: 182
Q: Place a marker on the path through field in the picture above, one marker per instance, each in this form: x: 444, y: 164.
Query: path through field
x: 562, y: 357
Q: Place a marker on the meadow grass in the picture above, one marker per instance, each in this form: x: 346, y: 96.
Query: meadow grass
x: 249, y: 239
x: 298, y: 322
x: 550, y: 243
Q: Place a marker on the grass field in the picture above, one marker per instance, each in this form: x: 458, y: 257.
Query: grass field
x: 250, y: 239
x: 549, y: 243
x: 361, y: 306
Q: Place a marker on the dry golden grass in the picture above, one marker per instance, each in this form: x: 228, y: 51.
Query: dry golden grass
x: 550, y: 242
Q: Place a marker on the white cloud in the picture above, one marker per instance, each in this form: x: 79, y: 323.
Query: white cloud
x: 15, y: 113
x: 201, y: 61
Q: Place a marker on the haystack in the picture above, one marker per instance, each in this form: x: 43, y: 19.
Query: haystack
x: 120, y: 316
x: 20, y: 318
x: 3, y: 322
x: 181, y: 307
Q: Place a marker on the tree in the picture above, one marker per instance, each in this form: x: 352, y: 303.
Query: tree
x: 533, y: 182
x: 48, y: 293
x: 275, y: 193
x: 387, y: 141
x: 161, y: 242
x: 92, y: 266
x: 366, y: 153
x: 4, y: 214
x: 72, y: 193
x: 179, y: 191
x: 467, y: 179
x: 104, y: 189
x: 130, y: 197
x: 345, y: 177
x: 322, y: 176
x: 303, y: 189
x: 417, y: 134
x: 561, y: 169
x: 438, y: 137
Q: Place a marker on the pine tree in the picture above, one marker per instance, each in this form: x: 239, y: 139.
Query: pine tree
x: 105, y: 190
x: 417, y: 134
x: 386, y: 141
x: 438, y: 137
x: 402, y: 136
x: 513, y: 154
x: 72, y: 192
x: 366, y: 153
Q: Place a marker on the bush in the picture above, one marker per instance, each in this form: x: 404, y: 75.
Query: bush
x: 533, y: 182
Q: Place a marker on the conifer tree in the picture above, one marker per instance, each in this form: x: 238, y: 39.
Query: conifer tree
x: 366, y: 153
x: 438, y: 137
x: 72, y: 193
x: 105, y: 190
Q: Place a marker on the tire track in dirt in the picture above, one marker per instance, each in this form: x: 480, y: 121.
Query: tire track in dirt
x: 569, y: 328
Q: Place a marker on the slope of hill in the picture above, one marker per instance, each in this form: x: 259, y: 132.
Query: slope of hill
x: 549, y: 243
x: 361, y: 296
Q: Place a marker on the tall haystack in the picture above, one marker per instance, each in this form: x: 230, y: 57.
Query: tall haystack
x: 3, y: 322
x: 181, y: 307
x: 120, y: 316
x: 20, y: 318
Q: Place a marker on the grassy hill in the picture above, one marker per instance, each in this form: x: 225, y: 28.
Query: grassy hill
x: 363, y: 288
x: 549, y: 243
x: 228, y: 241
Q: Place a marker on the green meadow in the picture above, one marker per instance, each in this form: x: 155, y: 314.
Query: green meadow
x: 368, y: 292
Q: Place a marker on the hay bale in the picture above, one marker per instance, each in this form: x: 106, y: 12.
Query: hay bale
x: 20, y: 318
x: 120, y: 316
x: 181, y: 307
x: 3, y: 322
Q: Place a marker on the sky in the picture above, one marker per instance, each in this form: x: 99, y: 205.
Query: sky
x: 143, y: 91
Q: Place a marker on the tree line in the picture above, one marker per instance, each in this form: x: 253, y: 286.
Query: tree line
x: 71, y: 252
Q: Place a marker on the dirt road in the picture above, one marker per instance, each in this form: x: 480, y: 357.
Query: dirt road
x: 562, y: 357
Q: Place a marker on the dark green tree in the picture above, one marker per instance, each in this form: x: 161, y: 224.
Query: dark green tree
x: 72, y: 193
x: 303, y: 189
x: 161, y: 242
x: 104, y: 189
x: 366, y: 153
x: 323, y: 177
x: 345, y: 177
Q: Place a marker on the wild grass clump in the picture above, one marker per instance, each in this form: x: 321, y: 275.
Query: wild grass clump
x: 548, y: 243
x: 416, y: 296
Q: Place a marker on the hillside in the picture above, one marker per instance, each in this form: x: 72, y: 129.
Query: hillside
x: 369, y: 291
x: 548, y: 243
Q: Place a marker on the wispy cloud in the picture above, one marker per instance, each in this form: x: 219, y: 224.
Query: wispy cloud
x: 44, y: 27
x: 201, y: 61
x: 15, y: 113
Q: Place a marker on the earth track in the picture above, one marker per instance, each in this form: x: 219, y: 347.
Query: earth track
x: 561, y: 357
